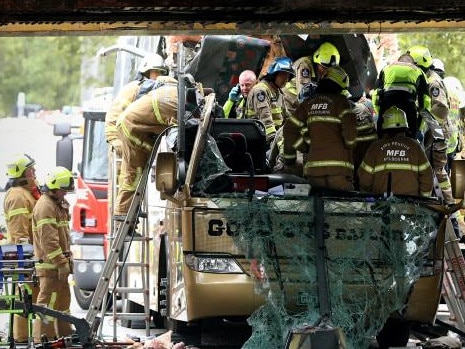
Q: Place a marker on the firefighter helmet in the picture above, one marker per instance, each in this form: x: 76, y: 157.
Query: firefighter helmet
x: 60, y: 178
x: 18, y: 164
x: 327, y: 55
x: 337, y: 75
x: 438, y: 65
x: 394, y: 118
x: 281, y: 64
x: 153, y: 62
x: 421, y: 56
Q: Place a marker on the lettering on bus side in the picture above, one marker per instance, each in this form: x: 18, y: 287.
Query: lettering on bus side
x: 350, y: 234
x: 217, y: 227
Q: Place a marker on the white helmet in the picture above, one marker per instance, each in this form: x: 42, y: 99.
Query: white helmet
x: 153, y: 62
x: 438, y: 64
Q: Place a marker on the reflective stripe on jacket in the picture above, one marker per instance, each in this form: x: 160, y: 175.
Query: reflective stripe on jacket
x: 234, y: 110
x: 403, y: 77
x: 17, y: 206
x: 150, y: 114
x: 331, y: 131
x: 404, y: 160
x: 266, y: 103
x: 50, y: 224
x: 125, y: 97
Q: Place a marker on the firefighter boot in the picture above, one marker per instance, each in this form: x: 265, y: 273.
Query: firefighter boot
x: 43, y: 327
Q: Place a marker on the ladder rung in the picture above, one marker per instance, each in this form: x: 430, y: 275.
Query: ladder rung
x: 133, y: 238
x: 132, y: 316
x: 130, y: 290
x: 132, y: 264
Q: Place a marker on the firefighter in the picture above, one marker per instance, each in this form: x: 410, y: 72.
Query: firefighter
x: 265, y: 101
x: 234, y: 107
x: 150, y: 68
x: 366, y: 132
x: 287, y: 159
x: 50, y: 225
x: 451, y: 127
x: 311, y: 69
x: 404, y: 85
x: 20, y: 199
x: 138, y: 125
x: 395, y: 163
x: 328, y: 129
x: 440, y: 112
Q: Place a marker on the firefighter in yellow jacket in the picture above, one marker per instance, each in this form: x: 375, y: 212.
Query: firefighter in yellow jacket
x: 152, y: 66
x: 328, y: 129
x: 19, y: 201
x: 312, y: 68
x: 396, y: 163
x: 138, y: 126
x: 50, y: 224
x: 265, y: 102
x: 440, y: 111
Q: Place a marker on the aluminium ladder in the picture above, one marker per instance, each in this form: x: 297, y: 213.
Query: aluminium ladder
x: 120, y: 289
x: 115, y: 267
x: 454, y: 279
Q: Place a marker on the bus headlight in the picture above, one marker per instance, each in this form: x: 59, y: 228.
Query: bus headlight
x: 213, y: 264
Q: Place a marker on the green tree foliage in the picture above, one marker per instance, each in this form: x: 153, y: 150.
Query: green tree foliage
x: 48, y: 70
x: 446, y: 46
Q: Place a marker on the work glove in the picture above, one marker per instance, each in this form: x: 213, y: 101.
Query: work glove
x: 235, y: 93
x: 63, y: 271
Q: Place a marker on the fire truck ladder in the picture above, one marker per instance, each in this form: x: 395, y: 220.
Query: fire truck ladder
x: 116, y: 268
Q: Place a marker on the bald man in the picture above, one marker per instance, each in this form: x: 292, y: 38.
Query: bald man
x: 234, y: 107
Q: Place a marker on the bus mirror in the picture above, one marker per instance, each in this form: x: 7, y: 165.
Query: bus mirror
x: 62, y: 129
x: 64, y: 153
x: 165, y: 173
x: 457, y: 178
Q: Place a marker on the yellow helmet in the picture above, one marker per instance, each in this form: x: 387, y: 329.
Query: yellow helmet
x: 18, y: 164
x: 60, y: 178
x: 337, y: 75
x: 421, y: 56
x: 327, y: 55
x: 394, y: 118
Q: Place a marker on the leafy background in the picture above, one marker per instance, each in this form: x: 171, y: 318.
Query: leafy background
x: 62, y: 70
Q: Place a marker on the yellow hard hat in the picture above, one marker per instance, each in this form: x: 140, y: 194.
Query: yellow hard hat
x: 394, y: 118
x: 327, y: 55
x: 421, y: 56
x: 60, y: 178
x: 18, y: 164
x: 337, y: 75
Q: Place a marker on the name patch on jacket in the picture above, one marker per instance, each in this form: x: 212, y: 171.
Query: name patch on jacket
x: 305, y: 73
x: 261, y: 96
x: 396, y: 152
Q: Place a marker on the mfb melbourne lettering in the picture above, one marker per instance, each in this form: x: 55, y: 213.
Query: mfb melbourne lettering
x: 319, y: 106
x: 395, y: 152
x: 216, y: 227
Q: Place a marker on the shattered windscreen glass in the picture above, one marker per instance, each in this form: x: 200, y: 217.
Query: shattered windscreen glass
x: 373, y: 253
x: 346, y: 262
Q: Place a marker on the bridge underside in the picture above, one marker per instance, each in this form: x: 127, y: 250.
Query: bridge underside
x: 93, y: 17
